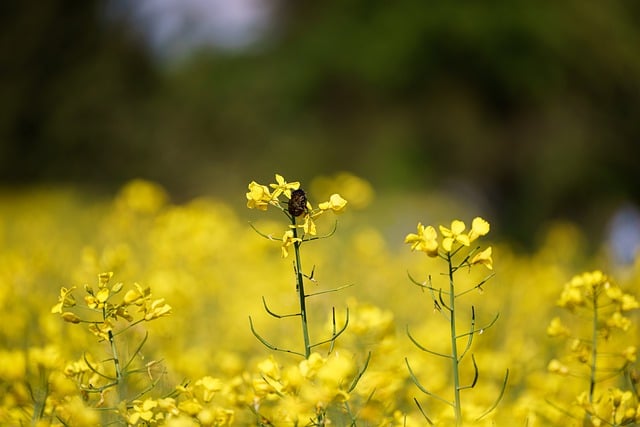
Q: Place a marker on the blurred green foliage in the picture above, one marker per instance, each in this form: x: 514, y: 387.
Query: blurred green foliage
x: 532, y: 107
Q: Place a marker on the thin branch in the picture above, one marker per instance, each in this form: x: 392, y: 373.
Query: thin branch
x: 355, y: 381
x: 471, y: 334
x: 148, y: 388
x: 335, y: 335
x: 481, y: 330
x: 331, y: 233
x: 266, y: 236
x: 478, y: 286
x: 475, y: 375
x: 421, y: 284
x: 125, y: 329
x: 269, y: 345
x: 278, y: 316
x: 422, y: 412
x: 504, y: 387
x: 330, y: 290
x: 310, y: 276
x: 421, y: 387
x: 94, y: 370
x: 435, y: 353
x: 333, y: 328
x: 444, y: 304
x: 135, y: 353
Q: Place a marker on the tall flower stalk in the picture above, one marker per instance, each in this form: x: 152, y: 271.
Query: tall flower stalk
x: 111, y: 316
x: 455, y: 249
x: 292, y: 201
x: 594, y: 354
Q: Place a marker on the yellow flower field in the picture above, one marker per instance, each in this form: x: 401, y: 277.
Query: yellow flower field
x: 302, y: 309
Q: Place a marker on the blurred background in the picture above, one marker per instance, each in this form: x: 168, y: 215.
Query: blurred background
x: 528, y: 110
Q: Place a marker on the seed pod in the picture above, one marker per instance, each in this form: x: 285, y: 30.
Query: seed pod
x: 297, y: 203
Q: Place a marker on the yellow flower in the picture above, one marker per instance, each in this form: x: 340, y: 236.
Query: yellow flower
x: 484, y: 258
x: 628, y: 302
x: 557, y: 329
x: 137, y: 296
x: 479, y: 227
x: 288, y: 240
x: 258, y: 196
x: 309, y: 367
x: 617, y: 320
x: 158, y: 309
x: 270, y: 368
x: 453, y: 235
x: 630, y: 353
x: 572, y: 295
x: 556, y: 367
x: 426, y: 240
x: 65, y: 299
x: 98, y: 300
x: 190, y: 407
x: 209, y: 386
x: 282, y: 186
x: 336, y: 203
x: 103, y: 279
x: 309, y: 225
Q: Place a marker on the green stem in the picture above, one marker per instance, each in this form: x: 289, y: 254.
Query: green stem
x: 300, y: 288
x: 116, y: 363
x: 41, y: 398
x: 454, y: 344
x: 594, y: 347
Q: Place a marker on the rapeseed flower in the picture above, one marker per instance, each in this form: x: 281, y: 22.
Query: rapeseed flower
x: 425, y: 240
x: 455, y: 234
x: 283, y: 187
x: 288, y: 239
x: 258, y: 196
x: 336, y: 203
x: 483, y: 258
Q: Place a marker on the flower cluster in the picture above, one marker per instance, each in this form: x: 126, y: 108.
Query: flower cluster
x: 110, y: 314
x: 583, y: 289
x: 603, y: 302
x: 454, y: 237
x: 101, y: 302
x: 310, y: 390
x: 292, y: 201
x: 191, y: 405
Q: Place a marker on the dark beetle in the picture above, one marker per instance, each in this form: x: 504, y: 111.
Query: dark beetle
x: 297, y: 203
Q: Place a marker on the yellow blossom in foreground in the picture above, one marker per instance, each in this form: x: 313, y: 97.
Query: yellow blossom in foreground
x: 258, y: 196
x: 336, y: 203
x: 426, y: 240
x: 158, y: 309
x: 309, y: 226
x: 270, y: 368
x: 455, y: 234
x: 288, y: 240
x: 282, y: 186
x: 65, y: 299
x: 483, y: 258
x: 309, y: 367
x: 210, y: 386
x: 479, y: 227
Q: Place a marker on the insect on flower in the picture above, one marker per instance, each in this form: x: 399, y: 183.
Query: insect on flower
x: 297, y: 203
